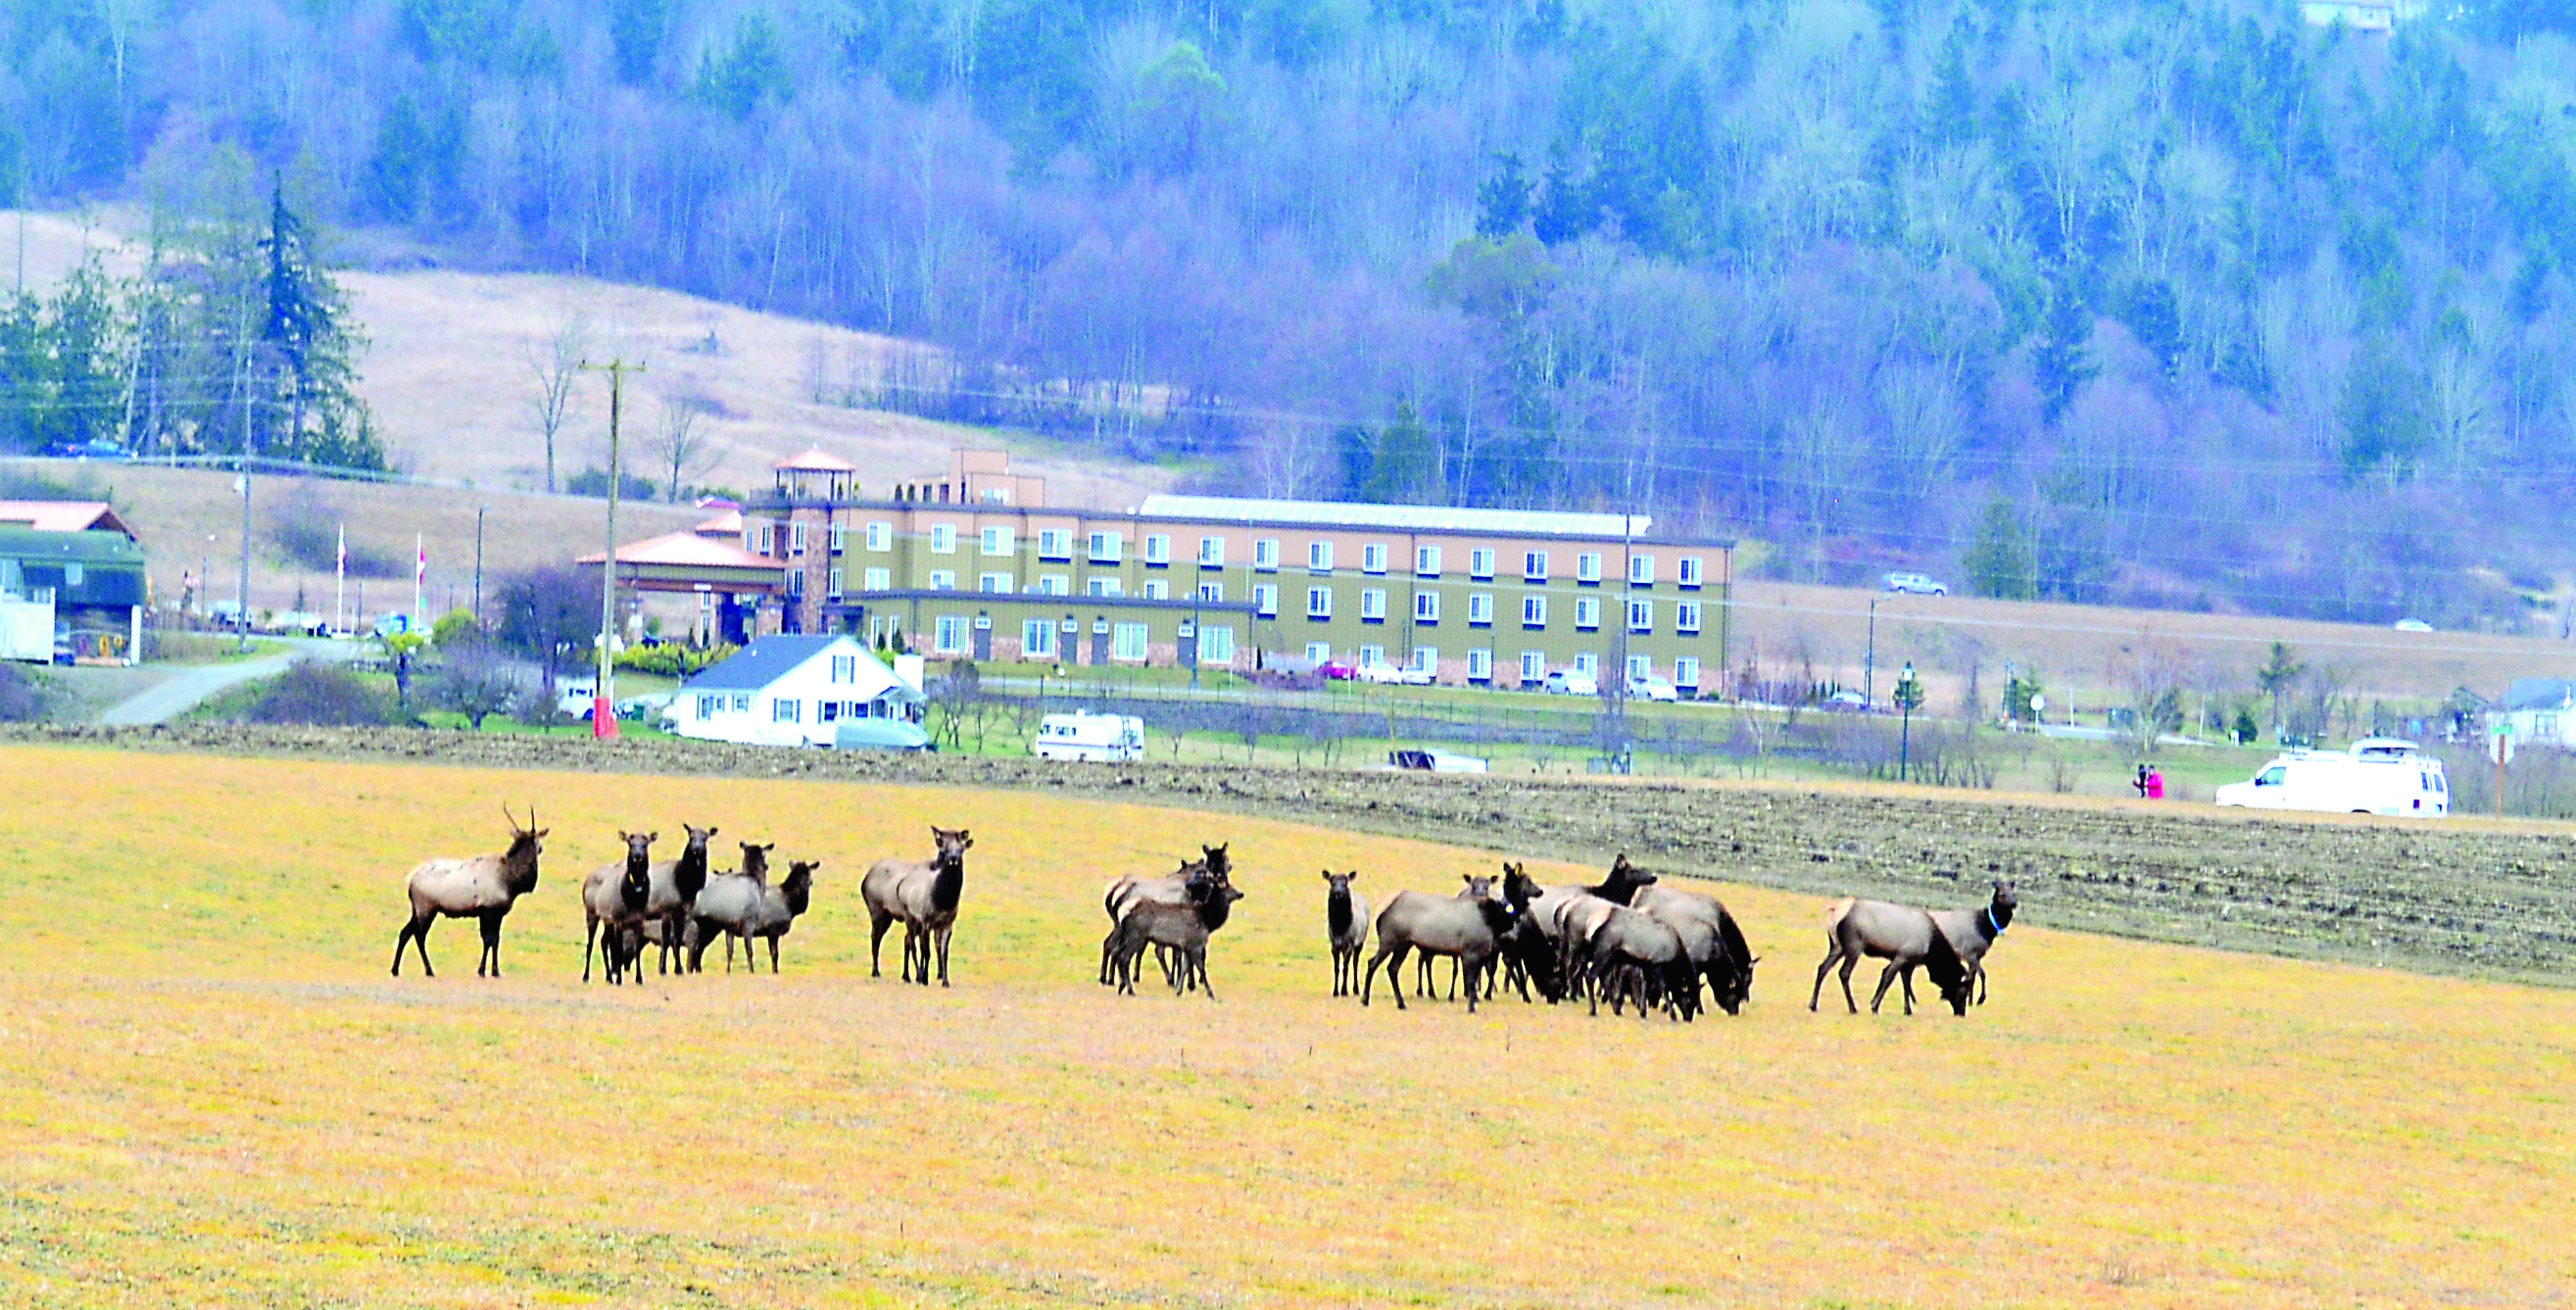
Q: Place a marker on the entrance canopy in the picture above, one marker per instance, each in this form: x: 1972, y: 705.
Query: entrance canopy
x: 686, y: 562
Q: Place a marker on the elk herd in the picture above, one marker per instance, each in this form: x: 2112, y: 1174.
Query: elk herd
x: 1627, y: 940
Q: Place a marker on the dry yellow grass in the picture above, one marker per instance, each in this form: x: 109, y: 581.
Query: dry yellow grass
x: 212, y: 1095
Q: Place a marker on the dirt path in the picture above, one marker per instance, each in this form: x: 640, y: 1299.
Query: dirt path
x: 2454, y: 896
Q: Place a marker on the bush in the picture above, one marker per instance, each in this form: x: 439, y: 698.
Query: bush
x: 456, y: 630
x: 670, y: 660
x: 594, y: 482
x: 478, y: 684
x: 319, y: 695
x: 23, y: 699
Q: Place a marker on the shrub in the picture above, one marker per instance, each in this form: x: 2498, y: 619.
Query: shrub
x: 479, y: 684
x: 670, y: 660
x: 455, y: 630
x: 593, y: 482
x: 319, y: 695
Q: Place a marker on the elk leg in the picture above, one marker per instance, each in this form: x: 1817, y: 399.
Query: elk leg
x: 773, y: 955
x: 420, y: 940
x: 402, y: 942
x: 589, y: 931
x: 1980, y: 967
x: 1886, y: 978
x: 1905, y: 976
x: 943, y: 954
x: 877, y: 922
x: 1823, y: 967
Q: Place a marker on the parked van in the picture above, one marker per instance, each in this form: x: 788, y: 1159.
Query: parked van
x: 1083, y: 735
x: 2379, y: 775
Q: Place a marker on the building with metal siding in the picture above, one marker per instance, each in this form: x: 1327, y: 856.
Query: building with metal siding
x: 1490, y: 597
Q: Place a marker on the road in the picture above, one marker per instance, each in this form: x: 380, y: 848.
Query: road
x: 175, y: 696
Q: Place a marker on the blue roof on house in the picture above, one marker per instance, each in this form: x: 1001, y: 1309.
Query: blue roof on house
x: 764, y: 661
x: 2540, y: 694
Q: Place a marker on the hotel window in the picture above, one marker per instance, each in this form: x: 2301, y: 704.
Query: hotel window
x: 1641, y: 616
x: 1534, y: 566
x: 1265, y: 600
x: 1319, y: 557
x: 1211, y: 593
x: 1480, y: 564
x: 1319, y: 651
x: 1533, y: 666
x: 784, y: 709
x: 1426, y: 561
x: 1319, y: 602
x: 1157, y: 589
x: 880, y: 535
x: 1686, y: 618
x: 943, y: 538
x: 1104, y: 586
x: 1426, y: 607
x: 995, y: 582
x: 1373, y: 557
x: 1158, y: 548
x: 795, y: 540
x: 1480, y: 666
x: 1533, y: 611
x: 1690, y: 571
x: 1000, y: 541
x: 1216, y: 645
x: 1641, y: 570
x: 879, y: 579
x: 948, y: 634
x: 943, y: 580
x: 1686, y: 673
x: 1587, y: 612
x: 1372, y: 657
x: 832, y: 584
x: 1640, y: 667
x: 1055, y: 543
x: 1108, y: 547
x: 751, y: 540
x: 1426, y: 659
x: 1212, y: 552
x: 1265, y: 554
x: 1054, y: 584
x: 1587, y: 567
x: 768, y: 541
x: 795, y: 585
x: 1037, y: 639
x: 840, y: 537
x: 1588, y: 664
x: 1127, y: 642
x: 1480, y: 608
x: 1373, y: 605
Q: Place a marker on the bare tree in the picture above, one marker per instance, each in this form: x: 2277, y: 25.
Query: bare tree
x: 2152, y: 677
x: 679, y: 445
x: 557, y: 363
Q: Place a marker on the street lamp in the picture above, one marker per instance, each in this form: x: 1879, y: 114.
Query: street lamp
x: 1909, y: 698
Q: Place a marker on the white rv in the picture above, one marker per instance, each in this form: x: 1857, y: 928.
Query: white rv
x: 2379, y: 775
x: 1083, y: 735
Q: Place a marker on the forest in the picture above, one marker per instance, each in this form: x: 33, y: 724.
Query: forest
x: 2146, y: 301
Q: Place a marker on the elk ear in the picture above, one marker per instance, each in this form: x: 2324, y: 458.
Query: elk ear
x: 652, y: 836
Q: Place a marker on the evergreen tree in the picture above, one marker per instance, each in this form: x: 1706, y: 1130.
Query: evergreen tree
x: 2386, y: 414
x: 2062, y: 361
x: 1503, y: 200
x: 1999, y: 564
x: 1406, y: 469
x: 306, y: 334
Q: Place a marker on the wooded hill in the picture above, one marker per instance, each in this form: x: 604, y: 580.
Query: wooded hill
x: 2166, y: 303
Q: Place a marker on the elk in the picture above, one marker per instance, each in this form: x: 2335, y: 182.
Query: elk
x: 1346, y: 928
x: 615, y: 895
x: 1546, y: 909
x: 1634, y: 953
x: 676, y: 884
x: 1182, y: 929
x: 1903, y: 936
x: 482, y: 887
x: 1470, y: 928
x: 746, y: 906
x: 922, y: 893
x: 1973, y: 932
x: 1715, y: 942
x: 1172, y: 889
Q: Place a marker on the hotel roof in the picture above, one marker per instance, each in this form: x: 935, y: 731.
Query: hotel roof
x: 1433, y: 518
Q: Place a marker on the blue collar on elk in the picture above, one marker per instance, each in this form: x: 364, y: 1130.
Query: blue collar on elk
x: 1994, y: 926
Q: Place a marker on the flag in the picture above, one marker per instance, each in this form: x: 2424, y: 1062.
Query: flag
x: 420, y: 560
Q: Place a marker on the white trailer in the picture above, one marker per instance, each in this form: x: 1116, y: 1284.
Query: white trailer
x: 1083, y: 735
x: 2379, y: 775
x: 27, y: 628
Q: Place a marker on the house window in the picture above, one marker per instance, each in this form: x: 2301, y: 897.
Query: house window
x: 1426, y: 607
x: 879, y: 579
x: 1055, y: 543
x: 1127, y: 641
x: 1587, y: 613
x: 1426, y: 561
x: 1319, y: 651
x: 996, y: 582
x: 1533, y: 666
x: 1211, y: 552
x: 1108, y: 547
x: 943, y: 579
x: 826, y: 710
x: 1055, y: 584
x: 1216, y: 645
x: 832, y: 584
x: 1157, y: 589
x: 1690, y: 571
x: 1373, y: 605
x: 1319, y: 602
x: 948, y: 634
x: 1265, y: 554
x: 1534, y: 566
x: 1533, y: 611
x: 1211, y: 593
x: 1480, y: 666
x: 1158, y: 548
x: 1265, y: 598
x: 840, y: 537
x: 1686, y: 673
x: 1426, y: 659
x: 1480, y: 566
x: 786, y: 710
x: 1587, y: 567
x: 709, y: 706
x: 795, y: 585
x: 1372, y: 657
x: 1319, y: 556
x: 845, y: 668
x: 1641, y: 570
x: 1000, y: 541
x: 1104, y: 586
x: 1640, y: 667
x: 1686, y: 618
x: 742, y: 702
x: 880, y: 535
x: 1373, y: 557
x: 1037, y: 639
x: 1480, y: 608
x: 943, y: 538
x: 1641, y: 616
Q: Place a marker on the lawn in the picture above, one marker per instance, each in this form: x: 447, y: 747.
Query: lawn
x: 215, y: 1097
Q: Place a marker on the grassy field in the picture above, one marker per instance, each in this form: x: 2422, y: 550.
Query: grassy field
x: 215, y: 1096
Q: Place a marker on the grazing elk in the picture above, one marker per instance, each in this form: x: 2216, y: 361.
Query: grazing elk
x: 1973, y: 932
x: 1471, y: 929
x: 925, y: 895
x: 1901, y: 935
x: 745, y: 906
x: 1715, y: 942
x: 1632, y: 953
x: 613, y: 899
x: 1621, y: 886
x: 1172, y: 889
x: 1183, y: 930
x: 481, y: 887
x: 1528, y: 956
x: 676, y: 884
x: 1346, y: 928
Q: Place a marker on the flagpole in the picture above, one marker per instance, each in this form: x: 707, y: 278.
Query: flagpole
x: 340, y: 585
x: 419, y: 570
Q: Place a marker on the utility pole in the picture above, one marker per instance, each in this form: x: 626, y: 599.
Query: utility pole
x: 1869, y: 661
x: 603, y: 715
x: 1909, y: 698
x: 242, y: 615
x: 479, y: 512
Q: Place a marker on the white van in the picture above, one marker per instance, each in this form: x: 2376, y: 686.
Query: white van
x: 1083, y: 735
x: 2379, y: 775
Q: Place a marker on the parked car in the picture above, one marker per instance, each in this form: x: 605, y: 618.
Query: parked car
x: 1083, y: 735
x: 1337, y: 671
x: 1652, y: 688
x: 2378, y: 775
x: 1847, y: 700
x: 88, y: 450
x: 2413, y: 625
x: 880, y: 735
x: 1572, y: 682
x: 1435, y: 761
x: 1386, y: 674
x: 1916, y: 584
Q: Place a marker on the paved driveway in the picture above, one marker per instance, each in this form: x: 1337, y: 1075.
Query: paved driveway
x: 175, y: 696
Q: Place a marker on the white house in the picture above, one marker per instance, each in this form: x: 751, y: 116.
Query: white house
x: 2541, y: 712
x: 792, y: 691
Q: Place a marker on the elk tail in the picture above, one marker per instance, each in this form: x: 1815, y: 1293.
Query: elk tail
x: 1835, y: 913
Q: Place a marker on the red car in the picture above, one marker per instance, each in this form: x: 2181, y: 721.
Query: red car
x: 1337, y: 671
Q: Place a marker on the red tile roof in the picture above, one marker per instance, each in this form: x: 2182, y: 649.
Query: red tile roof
x: 686, y: 550
x: 816, y: 461
x: 62, y: 515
